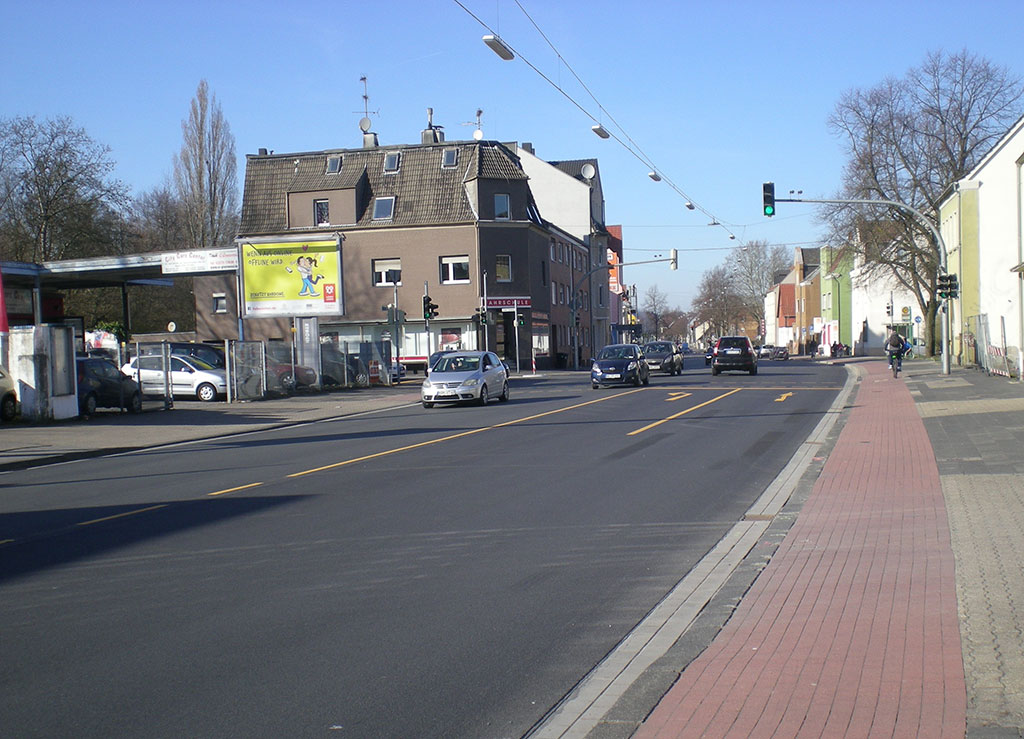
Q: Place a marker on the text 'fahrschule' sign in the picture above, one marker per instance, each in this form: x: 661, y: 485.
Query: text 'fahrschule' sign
x: 508, y: 302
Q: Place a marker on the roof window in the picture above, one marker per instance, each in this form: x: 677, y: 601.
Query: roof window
x: 383, y: 208
x: 392, y: 160
x: 333, y: 165
x: 449, y: 158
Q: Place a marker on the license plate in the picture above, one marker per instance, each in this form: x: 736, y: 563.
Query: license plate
x: 732, y: 351
x: 445, y: 393
x: 612, y: 376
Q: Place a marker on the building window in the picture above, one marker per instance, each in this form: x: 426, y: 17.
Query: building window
x: 333, y: 165
x: 387, y: 272
x: 321, y: 212
x: 503, y: 268
x: 449, y: 158
x: 454, y: 270
x: 383, y: 208
x: 392, y: 160
x: 502, y: 209
x: 554, y: 293
x: 554, y: 253
x: 220, y: 303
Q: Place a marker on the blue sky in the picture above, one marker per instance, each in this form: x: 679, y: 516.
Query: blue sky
x: 721, y: 96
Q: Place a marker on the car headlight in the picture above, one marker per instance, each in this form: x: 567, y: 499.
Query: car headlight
x: 632, y: 366
x: 595, y: 367
x: 426, y: 385
x: 471, y: 382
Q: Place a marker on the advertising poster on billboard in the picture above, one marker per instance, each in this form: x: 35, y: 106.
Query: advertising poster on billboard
x: 300, y: 278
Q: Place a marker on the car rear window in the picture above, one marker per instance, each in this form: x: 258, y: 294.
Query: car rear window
x: 733, y: 343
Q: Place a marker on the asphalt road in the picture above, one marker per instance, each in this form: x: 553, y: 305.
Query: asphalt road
x: 444, y: 572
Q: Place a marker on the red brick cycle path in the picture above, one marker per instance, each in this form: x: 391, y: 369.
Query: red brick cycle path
x: 852, y: 629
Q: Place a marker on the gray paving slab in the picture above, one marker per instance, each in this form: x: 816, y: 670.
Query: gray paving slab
x: 976, y: 425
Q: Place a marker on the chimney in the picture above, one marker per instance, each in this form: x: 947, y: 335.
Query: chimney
x: 528, y: 147
x: 431, y: 134
x: 369, y: 140
x: 262, y: 152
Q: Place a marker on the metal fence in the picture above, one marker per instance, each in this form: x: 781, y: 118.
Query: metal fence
x: 252, y: 370
x: 991, y: 353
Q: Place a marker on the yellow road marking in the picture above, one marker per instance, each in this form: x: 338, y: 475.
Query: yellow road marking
x: 681, y: 413
x: 677, y: 396
x: 459, y: 435
x: 122, y: 515
x: 235, y: 490
x: 782, y: 397
x: 6, y: 541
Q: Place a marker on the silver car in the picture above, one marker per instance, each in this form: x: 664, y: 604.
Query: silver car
x: 466, y: 376
x: 189, y: 376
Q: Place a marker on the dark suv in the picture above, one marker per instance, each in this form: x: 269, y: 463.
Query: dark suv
x: 733, y: 353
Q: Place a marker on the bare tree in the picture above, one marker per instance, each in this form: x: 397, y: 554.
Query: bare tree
x: 205, y: 173
x: 717, y: 302
x: 908, y: 140
x: 655, y: 306
x: 752, y: 267
x: 57, y: 197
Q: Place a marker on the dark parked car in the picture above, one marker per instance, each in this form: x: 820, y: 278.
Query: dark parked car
x: 102, y: 385
x: 733, y: 353
x: 664, y: 356
x: 619, y: 364
x: 780, y: 352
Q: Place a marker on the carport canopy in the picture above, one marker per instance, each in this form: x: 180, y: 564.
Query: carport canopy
x: 155, y: 268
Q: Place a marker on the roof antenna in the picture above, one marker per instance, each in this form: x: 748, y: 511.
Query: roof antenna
x: 479, y: 132
x: 364, y: 123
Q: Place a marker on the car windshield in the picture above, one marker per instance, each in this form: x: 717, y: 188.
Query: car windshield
x: 457, y: 364
x: 658, y: 348
x: 200, y: 364
x: 617, y: 352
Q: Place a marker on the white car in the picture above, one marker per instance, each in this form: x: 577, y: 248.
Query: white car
x: 189, y: 376
x: 465, y: 376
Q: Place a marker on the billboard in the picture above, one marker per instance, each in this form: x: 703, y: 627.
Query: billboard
x: 293, y: 278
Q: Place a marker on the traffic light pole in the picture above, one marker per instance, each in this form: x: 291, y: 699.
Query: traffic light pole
x: 938, y: 241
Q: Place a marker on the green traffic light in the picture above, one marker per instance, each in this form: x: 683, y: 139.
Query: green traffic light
x: 769, y: 210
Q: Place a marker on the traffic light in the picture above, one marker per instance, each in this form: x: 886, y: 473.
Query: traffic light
x: 948, y: 287
x: 429, y: 308
x: 769, y: 198
x: 481, y: 316
x: 888, y: 309
x: 673, y: 262
x: 521, y: 319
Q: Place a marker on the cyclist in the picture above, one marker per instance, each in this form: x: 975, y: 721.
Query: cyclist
x: 895, y: 348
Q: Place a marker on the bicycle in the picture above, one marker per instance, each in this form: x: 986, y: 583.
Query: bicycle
x: 896, y: 363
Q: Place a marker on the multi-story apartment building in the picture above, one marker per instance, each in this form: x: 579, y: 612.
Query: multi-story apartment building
x: 457, y: 221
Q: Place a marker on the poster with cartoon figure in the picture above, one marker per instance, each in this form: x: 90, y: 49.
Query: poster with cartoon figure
x: 291, y: 278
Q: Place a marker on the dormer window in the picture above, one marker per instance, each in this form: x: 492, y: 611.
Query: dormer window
x: 333, y: 165
x: 449, y: 158
x: 383, y: 208
x: 392, y: 160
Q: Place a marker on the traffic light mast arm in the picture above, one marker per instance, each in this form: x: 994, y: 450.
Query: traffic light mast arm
x: 931, y: 227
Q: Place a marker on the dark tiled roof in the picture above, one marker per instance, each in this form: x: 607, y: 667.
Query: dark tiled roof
x: 425, y: 192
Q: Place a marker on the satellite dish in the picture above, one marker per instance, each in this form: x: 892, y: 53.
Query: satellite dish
x: 172, y: 327
x: 588, y: 171
x: 364, y: 125
x: 478, y: 134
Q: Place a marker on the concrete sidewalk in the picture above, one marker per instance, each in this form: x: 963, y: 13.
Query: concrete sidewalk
x: 892, y: 606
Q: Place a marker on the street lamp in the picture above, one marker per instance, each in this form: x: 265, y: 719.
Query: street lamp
x: 499, y: 47
x: 600, y: 131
